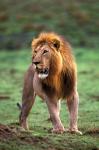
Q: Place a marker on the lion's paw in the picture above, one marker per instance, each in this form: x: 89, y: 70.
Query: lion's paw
x: 58, y: 130
x: 74, y: 131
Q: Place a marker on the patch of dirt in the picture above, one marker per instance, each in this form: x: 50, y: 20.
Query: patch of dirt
x: 12, y: 131
x: 6, y: 132
x: 4, y: 97
x: 93, y: 131
x: 95, y: 97
x: 32, y: 139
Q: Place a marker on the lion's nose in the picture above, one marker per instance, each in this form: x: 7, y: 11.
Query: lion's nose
x: 36, y: 62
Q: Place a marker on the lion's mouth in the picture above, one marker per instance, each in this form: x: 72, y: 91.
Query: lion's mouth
x: 43, y: 73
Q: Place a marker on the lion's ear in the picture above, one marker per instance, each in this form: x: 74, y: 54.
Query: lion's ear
x: 56, y: 44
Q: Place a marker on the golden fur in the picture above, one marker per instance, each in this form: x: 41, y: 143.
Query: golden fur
x: 62, y: 76
x: 52, y: 76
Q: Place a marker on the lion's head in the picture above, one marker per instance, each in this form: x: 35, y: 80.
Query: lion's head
x: 46, y: 55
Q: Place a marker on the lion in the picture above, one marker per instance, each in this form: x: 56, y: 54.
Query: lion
x: 52, y: 76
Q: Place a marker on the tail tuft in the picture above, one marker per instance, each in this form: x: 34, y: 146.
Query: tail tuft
x: 19, y: 106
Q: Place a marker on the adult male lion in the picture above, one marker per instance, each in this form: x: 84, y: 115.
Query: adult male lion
x: 52, y: 76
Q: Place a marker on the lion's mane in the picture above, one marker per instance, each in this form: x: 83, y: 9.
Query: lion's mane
x: 63, y: 82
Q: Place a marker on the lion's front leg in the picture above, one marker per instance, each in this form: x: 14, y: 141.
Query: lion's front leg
x: 58, y: 109
x: 72, y: 104
x: 53, y: 107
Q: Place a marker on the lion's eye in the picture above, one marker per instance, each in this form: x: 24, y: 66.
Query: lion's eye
x: 45, y: 51
x: 35, y: 51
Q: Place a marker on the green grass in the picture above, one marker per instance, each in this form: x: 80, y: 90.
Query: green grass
x: 12, y: 68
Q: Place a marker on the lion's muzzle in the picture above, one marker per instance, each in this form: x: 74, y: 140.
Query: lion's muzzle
x: 42, y: 73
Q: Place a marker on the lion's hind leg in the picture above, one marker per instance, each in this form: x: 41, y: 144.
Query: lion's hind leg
x: 28, y: 98
x: 25, y: 109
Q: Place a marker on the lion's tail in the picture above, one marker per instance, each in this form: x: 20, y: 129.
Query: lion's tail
x: 19, y: 106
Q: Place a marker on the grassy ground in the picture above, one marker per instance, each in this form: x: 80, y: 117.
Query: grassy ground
x: 12, y: 68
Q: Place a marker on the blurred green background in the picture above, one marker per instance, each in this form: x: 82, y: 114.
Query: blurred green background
x: 21, y: 20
